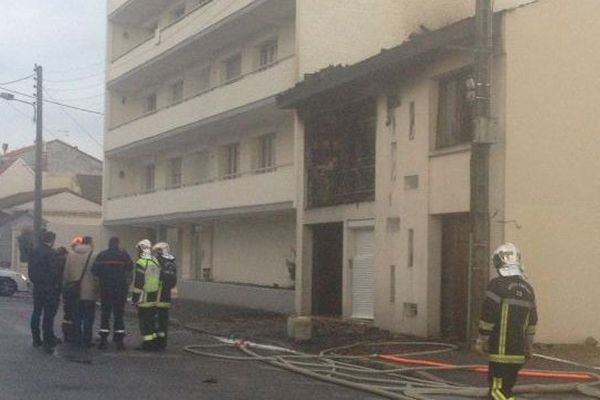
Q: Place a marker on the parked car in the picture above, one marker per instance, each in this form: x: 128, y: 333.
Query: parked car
x: 12, y: 282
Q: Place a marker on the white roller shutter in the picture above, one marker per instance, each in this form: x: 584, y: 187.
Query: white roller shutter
x: 363, y: 274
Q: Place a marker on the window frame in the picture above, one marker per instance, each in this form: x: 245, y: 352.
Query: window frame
x: 150, y: 103
x: 227, y: 63
x: 270, y: 50
x: 454, y: 125
x: 175, y: 172
x: 149, y: 179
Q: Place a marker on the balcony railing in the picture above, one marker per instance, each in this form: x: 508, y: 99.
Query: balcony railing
x: 246, y: 89
x: 248, y: 189
x: 328, y: 185
x: 257, y: 171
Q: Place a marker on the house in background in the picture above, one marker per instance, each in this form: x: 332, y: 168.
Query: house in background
x: 383, y: 156
x: 63, y: 166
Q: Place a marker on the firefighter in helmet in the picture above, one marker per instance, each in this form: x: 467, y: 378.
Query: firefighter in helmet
x: 146, y: 291
x: 508, y: 321
x: 168, y: 280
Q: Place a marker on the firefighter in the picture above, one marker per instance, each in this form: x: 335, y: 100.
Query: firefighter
x: 168, y: 280
x: 508, y: 321
x: 146, y: 288
x: 113, y: 267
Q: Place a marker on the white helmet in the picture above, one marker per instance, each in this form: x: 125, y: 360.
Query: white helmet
x: 162, y: 248
x: 507, y: 260
x: 144, y: 248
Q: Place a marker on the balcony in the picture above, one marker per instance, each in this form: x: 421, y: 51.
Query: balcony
x: 209, y: 198
x: 334, y: 186
x: 244, y: 90
x: 198, y: 33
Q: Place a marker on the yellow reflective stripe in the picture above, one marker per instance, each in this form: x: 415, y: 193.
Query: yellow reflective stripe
x: 504, y: 359
x: 497, y: 389
x: 146, y: 305
x: 163, y: 304
x: 503, y: 329
x: 486, y: 326
x: 149, y: 337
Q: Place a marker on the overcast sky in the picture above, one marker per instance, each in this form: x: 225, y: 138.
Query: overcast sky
x: 66, y: 37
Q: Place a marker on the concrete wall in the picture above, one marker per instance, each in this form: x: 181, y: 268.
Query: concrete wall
x: 16, y: 179
x: 253, y: 250
x: 552, y: 160
x: 274, y: 300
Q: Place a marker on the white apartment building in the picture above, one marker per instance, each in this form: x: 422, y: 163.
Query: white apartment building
x: 196, y: 150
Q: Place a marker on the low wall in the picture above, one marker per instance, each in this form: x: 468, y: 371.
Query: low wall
x: 267, y: 299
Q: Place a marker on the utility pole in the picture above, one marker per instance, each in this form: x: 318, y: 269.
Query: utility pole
x: 480, y: 161
x: 37, y: 207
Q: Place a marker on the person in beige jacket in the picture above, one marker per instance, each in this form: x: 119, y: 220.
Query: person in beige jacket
x: 79, y: 266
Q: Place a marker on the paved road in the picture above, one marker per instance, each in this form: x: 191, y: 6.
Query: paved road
x: 28, y: 373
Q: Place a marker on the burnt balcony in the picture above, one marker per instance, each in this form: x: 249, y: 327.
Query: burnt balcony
x: 330, y: 185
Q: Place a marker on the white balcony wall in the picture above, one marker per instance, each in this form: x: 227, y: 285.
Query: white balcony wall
x: 248, y: 89
x: 251, y: 190
x: 174, y: 33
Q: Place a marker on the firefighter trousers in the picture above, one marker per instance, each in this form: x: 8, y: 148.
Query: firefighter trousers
x: 502, y: 378
x: 154, y: 325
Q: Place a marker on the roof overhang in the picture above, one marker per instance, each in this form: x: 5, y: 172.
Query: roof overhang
x: 410, y: 54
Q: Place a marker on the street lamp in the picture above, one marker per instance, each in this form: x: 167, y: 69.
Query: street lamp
x: 37, y: 107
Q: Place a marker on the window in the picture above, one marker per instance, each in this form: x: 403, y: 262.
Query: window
x: 204, y: 79
x: 174, y: 175
x: 265, y: 153
x: 233, y: 67
x: 178, y: 12
x: 267, y: 53
x: 149, y: 173
x: 411, y: 247
x: 455, y: 112
x: 232, y: 159
x: 150, y: 103
x: 411, y: 121
x: 177, y: 91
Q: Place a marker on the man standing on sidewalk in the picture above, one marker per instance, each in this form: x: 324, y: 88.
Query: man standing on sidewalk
x: 78, y: 273
x: 113, y: 267
x: 508, y: 321
x: 44, y: 273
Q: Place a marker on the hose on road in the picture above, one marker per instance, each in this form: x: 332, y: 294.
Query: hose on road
x: 393, y: 382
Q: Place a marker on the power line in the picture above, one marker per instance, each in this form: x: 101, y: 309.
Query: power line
x: 81, y: 78
x: 54, y: 102
x: 16, y: 80
x: 77, y: 123
x: 97, y: 85
x: 29, y: 118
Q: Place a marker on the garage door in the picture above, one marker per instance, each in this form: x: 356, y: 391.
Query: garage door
x: 363, y: 274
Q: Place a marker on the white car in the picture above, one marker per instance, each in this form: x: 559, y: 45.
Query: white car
x: 11, y: 282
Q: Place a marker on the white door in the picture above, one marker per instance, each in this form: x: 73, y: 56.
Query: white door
x: 363, y: 274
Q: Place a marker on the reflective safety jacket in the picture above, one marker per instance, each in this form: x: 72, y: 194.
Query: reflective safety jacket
x: 508, y: 316
x: 146, y: 283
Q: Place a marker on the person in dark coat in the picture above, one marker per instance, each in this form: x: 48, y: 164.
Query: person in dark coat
x: 113, y: 268
x: 45, y: 274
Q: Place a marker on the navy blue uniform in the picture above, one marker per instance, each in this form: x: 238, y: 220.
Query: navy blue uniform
x: 113, y: 267
x: 45, y: 272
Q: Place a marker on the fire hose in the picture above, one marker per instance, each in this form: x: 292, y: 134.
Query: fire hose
x: 401, y: 382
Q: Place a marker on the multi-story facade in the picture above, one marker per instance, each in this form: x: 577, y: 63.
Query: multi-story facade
x: 196, y: 150
x: 394, y: 131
